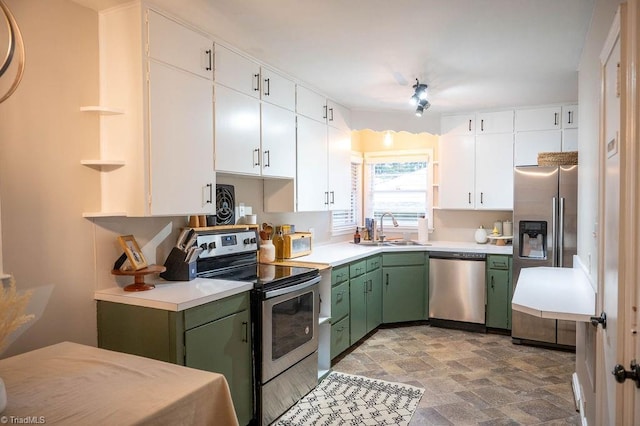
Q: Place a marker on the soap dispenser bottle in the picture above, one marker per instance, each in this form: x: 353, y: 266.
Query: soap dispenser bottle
x: 356, y: 236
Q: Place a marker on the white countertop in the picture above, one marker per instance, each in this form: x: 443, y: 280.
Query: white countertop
x: 176, y: 295
x: 180, y: 295
x: 558, y: 293
x: 340, y: 253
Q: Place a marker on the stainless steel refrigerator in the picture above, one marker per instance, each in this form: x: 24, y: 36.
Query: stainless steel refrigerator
x: 545, y: 229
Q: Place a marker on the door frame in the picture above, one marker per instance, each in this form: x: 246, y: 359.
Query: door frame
x: 629, y: 246
x: 628, y: 20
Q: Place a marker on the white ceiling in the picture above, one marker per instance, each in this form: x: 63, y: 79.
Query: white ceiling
x: 366, y: 54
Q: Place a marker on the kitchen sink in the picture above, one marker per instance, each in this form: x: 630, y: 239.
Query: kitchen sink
x: 406, y: 243
x: 391, y: 243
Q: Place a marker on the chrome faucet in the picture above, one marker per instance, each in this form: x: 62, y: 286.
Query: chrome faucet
x: 395, y: 224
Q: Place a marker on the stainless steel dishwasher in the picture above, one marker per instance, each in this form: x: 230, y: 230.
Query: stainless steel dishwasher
x: 457, y: 290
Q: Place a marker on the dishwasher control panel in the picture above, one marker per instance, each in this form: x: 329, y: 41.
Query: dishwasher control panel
x: 457, y: 255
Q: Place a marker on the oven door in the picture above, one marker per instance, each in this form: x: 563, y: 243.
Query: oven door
x: 289, y: 326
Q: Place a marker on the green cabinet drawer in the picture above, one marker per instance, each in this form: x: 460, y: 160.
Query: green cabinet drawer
x: 339, y: 274
x: 340, y: 301
x: 373, y: 263
x: 404, y: 258
x: 357, y: 268
x: 339, y: 337
x: 497, y: 262
x: 203, y: 314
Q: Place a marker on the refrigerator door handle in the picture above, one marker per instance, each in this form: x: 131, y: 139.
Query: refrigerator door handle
x: 561, y: 234
x: 554, y: 229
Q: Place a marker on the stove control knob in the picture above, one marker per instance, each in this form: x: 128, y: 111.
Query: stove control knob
x: 212, y: 245
x: 247, y: 240
x: 203, y: 246
x: 253, y: 240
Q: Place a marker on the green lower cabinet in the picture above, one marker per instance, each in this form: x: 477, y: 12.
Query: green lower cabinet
x: 340, y: 337
x: 358, y: 301
x: 374, y: 299
x: 403, y: 293
x: 214, y: 337
x: 223, y: 346
x: 340, y: 301
x: 498, y: 292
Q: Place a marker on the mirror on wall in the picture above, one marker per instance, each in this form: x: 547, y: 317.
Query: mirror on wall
x: 12, y: 56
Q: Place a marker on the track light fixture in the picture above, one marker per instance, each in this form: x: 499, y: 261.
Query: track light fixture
x: 419, y: 98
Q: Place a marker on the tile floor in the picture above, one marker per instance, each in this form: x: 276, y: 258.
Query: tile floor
x: 470, y: 378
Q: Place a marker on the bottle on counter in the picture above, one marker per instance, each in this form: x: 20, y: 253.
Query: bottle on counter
x: 356, y: 236
x: 278, y: 242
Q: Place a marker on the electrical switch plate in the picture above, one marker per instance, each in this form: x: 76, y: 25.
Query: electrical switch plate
x: 241, y: 211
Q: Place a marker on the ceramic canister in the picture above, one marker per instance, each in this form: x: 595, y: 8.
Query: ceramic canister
x: 507, y: 228
x: 481, y: 235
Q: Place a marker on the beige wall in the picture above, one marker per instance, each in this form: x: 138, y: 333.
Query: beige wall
x: 47, y: 245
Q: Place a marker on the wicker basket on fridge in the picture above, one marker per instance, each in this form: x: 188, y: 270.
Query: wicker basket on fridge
x: 558, y: 158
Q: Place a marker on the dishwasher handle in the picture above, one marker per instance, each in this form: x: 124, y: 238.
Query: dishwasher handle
x: 452, y: 255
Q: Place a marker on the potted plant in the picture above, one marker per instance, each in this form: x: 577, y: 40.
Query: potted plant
x: 12, y: 316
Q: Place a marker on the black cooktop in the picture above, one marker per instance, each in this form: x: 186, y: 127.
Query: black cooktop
x: 263, y: 275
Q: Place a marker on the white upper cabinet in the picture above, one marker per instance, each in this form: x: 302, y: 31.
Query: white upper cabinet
x: 476, y: 161
x: 529, y: 144
x: 323, y: 168
x: 569, y: 140
x: 277, y: 89
x: 547, y: 118
x: 253, y: 134
x: 176, y: 45
x: 312, y: 172
x: 311, y: 104
x: 494, y: 172
x: 570, y: 116
x: 237, y: 132
x: 165, y: 134
x: 237, y: 72
x: 339, y: 169
x: 338, y: 116
x: 278, y: 142
x: 458, y: 124
x: 457, y: 171
x: 494, y: 122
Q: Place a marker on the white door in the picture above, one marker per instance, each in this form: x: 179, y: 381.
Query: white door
x: 609, y: 347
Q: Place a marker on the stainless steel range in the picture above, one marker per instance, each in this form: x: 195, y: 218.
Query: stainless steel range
x: 285, y: 306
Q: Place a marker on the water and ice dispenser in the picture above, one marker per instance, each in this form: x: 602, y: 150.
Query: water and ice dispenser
x: 533, y: 239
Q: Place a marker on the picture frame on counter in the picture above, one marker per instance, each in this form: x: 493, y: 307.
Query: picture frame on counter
x: 133, y: 252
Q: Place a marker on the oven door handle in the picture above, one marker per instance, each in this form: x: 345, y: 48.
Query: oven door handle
x: 285, y: 290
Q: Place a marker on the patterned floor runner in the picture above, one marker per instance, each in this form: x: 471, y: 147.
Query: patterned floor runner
x: 347, y: 399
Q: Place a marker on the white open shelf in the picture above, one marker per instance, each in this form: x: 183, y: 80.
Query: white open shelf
x: 104, y: 110
x: 103, y: 214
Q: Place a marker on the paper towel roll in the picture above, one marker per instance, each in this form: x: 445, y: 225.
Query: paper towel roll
x: 423, y: 230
